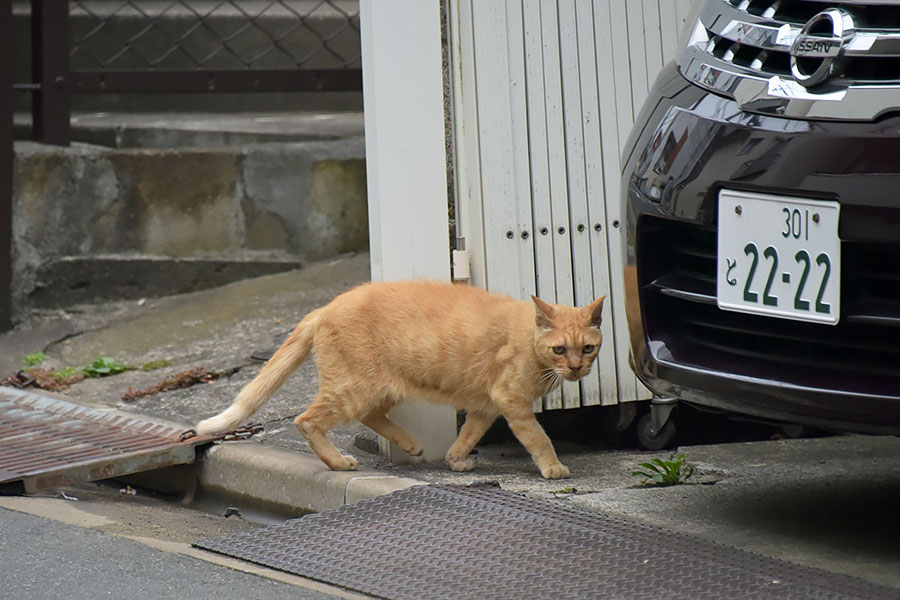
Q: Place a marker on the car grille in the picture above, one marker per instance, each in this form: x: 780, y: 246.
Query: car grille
x: 677, y: 274
x: 741, y: 48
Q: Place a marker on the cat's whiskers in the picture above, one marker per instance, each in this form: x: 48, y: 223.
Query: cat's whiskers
x: 551, y: 379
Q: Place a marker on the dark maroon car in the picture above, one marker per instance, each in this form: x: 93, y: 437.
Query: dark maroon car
x: 762, y: 201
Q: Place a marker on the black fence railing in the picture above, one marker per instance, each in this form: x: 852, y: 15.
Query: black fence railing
x: 6, y: 169
x: 164, y: 46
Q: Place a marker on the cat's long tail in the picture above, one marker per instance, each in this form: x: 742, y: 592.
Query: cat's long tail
x: 288, y: 357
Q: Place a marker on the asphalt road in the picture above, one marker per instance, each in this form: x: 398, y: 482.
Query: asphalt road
x: 49, y: 557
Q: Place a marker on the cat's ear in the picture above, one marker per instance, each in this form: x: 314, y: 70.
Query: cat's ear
x: 594, y: 312
x: 544, y: 313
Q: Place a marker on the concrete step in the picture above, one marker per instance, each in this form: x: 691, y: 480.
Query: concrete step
x: 69, y: 280
x: 180, y: 203
x: 204, y: 129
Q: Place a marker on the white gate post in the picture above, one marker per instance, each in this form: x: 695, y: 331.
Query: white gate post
x: 406, y: 166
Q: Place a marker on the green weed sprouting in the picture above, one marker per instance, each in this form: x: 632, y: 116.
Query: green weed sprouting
x: 34, y: 359
x: 105, y: 366
x: 65, y: 373
x: 665, y: 472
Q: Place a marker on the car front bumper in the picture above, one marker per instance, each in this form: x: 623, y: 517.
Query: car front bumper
x: 688, y: 145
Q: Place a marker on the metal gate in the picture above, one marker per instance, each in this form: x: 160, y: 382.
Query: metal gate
x: 545, y: 93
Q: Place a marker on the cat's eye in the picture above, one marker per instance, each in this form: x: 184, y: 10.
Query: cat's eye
x: 588, y: 348
x: 559, y: 350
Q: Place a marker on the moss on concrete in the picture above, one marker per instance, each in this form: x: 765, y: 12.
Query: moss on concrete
x: 338, y: 211
x: 183, y: 203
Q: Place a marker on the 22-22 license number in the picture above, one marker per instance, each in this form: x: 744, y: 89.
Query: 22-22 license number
x: 802, y: 257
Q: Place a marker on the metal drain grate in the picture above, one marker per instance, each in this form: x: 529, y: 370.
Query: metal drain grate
x: 431, y: 542
x: 45, y: 442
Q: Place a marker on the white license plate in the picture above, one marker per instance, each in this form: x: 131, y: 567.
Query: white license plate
x: 779, y: 256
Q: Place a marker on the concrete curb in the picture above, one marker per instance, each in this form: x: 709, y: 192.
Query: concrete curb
x: 266, y: 476
x: 258, y: 478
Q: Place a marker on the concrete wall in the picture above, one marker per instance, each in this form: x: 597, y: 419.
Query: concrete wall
x: 266, y: 204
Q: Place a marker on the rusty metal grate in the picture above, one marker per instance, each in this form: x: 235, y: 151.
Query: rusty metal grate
x: 456, y: 542
x: 45, y: 442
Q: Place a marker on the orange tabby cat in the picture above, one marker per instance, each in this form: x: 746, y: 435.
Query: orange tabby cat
x: 381, y: 343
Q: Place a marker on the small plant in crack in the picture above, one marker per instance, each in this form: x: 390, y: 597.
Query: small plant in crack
x: 65, y: 373
x: 34, y: 359
x: 661, y: 472
x: 105, y: 366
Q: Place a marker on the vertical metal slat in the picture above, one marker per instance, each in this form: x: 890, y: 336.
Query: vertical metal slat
x: 50, y: 69
x: 545, y: 278
x: 6, y: 165
x: 600, y: 384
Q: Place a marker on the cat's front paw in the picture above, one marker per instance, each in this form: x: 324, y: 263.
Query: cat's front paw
x: 461, y: 464
x: 347, y: 463
x: 414, y: 449
x: 557, y: 471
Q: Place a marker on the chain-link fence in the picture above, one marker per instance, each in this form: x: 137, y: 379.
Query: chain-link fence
x: 214, y: 35
x: 82, y: 47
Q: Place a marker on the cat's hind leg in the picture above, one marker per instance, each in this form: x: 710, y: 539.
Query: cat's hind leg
x: 476, y: 425
x: 382, y: 425
x: 314, y: 423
